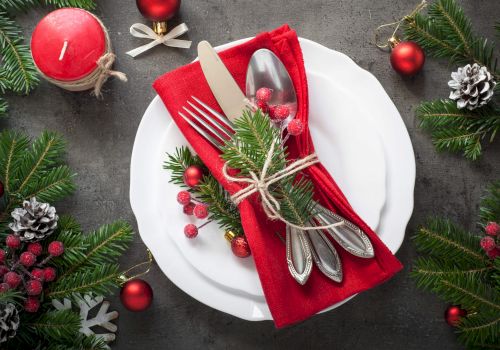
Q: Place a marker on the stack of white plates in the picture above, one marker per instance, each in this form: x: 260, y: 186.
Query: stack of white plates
x: 359, y: 137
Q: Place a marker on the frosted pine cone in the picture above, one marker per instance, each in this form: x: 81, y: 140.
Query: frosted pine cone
x: 472, y: 86
x: 9, y: 321
x: 34, y: 221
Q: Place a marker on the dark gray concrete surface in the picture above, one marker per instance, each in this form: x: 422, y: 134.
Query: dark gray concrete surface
x: 100, y: 134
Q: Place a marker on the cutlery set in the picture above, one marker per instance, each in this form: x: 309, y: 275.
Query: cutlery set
x: 303, y: 248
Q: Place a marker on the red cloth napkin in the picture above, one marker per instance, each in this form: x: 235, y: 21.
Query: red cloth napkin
x: 288, y: 301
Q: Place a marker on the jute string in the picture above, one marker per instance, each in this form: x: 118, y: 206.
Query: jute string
x: 261, y: 185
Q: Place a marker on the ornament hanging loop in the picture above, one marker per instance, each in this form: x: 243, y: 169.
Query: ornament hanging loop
x: 124, y: 275
x: 393, y: 40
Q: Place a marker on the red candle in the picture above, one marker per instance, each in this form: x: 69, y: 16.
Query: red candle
x: 67, y: 44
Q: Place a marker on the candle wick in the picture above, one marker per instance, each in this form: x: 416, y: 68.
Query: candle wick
x: 63, y: 51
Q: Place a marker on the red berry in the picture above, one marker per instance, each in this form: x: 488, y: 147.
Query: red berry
x: 34, y: 287
x: 13, y: 241
x: 4, y: 287
x: 49, y: 274
x: 200, y: 211
x: 494, y: 253
x: 27, y: 259
x: 264, y: 94
x: 12, y: 279
x: 263, y: 106
x: 3, y: 270
x: 192, y: 176
x: 295, y: 127
x: 191, y: 231
x: 271, y: 110
x: 488, y: 243
x: 56, y: 248
x: 281, y: 112
x: 184, y: 197
x: 38, y: 274
x: 35, y: 248
x: 2, y: 255
x: 31, y: 304
x: 189, y: 208
x: 492, y: 228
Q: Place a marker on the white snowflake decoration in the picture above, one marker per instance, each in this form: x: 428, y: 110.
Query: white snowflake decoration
x: 102, y: 319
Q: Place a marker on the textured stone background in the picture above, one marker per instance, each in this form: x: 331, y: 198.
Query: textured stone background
x: 101, y: 133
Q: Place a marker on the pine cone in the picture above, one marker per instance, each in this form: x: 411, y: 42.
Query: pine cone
x: 9, y: 321
x: 34, y: 221
x: 472, y: 86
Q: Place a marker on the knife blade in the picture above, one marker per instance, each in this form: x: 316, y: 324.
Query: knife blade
x: 225, y: 89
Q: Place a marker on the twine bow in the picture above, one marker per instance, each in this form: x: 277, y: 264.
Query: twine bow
x: 261, y: 185
x: 140, y: 30
x: 104, y: 65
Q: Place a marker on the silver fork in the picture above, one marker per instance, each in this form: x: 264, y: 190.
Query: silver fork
x: 301, y: 248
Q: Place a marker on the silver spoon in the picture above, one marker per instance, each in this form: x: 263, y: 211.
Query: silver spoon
x: 266, y: 70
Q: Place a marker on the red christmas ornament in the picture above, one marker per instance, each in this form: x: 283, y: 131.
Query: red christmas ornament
x: 453, y: 314
x: 192, y: 176
x: 407, y: 57
x: 240, y: 247
x: 158, y: 10
x: 136, y: 295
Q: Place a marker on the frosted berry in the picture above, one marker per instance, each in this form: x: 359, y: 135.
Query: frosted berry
x: 2, y: 255
x: 263, y: 106
x: 49, y: 274
x: 487, y: 243
x: 494, y: 253
x: 493, y: 229
x: 3, y: 270
x: 32, y: 304
x: 56, y: 248
x: 270, y: 111
x: 192, y: 176
x: 34, y: 287
x: 35, y: 248
x: 264, y: 94
x: 13, y: 241
x: 295, y: 127
x: 4, y: 287
x: 191, y: 231
x: 38, y: 274
x: 189, y: 208
x: 27, y: 259
x: 200, y: 211
x: 12, y: 279
x: 281, y: 112
x: 184, y: 197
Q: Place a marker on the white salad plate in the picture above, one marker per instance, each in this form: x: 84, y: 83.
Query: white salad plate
x: 359, y: 137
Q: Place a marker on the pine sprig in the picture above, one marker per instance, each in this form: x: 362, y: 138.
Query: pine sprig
x: 490, y: 205
x: 56, y: 325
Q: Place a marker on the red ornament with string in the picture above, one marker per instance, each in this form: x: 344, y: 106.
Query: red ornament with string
x: 159, y: 11
x: 136, y: 295
x: 454, y: 314
x: 407, y: 57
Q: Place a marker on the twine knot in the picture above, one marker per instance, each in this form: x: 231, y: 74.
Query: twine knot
x: 104, y: 65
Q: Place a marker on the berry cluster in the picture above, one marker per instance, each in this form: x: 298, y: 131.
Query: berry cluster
x: 23, y: 268
x: 491, y: 242
x: 277, y: 113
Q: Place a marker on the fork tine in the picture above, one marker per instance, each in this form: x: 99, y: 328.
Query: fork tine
x: 221, y: 130
x: 216, y: 114
x: 207, y: 125
x: 202, y: 132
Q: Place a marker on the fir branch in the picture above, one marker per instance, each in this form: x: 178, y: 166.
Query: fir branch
x: 79, y: 342
x: 17, y: 5
x: 23, y: 5
x: 480, y: 330
x: 84, y: 4
x: 469, y: 293
x: 13, y: 146
x: 56, y: 325
x: 57, y: 183
x: 4, y: 107
x: 490, y: 205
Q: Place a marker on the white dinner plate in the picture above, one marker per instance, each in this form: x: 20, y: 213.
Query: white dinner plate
x: 184, y: 261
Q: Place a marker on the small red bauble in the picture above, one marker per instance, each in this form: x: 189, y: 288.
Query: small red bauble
x: 189, y: 208
x: 192, y: 176
x: 38, y: 274
x: 2, y: 255
x: 49, y: 274
x: 184, y: 197
x: 200, y: 211
x: 33, y: 287
x: 27, y: 259
x: 136, y: 295
x: 240, y: 247
x: 264, y: 95
x: 281, y: 112
x: 492, y: 229
x: 12, y: 279
x: 35, y: 248
x: 407, y: 58
x: 453, y: 314
x: 32, y: 304
x: 295, y: 127
x: 158, y: 10
x: 191, y: 231
x: 488, y: 243
x: 56, y: 248
x: 13, y: 241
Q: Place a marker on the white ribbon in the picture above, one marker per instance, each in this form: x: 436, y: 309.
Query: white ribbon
x: 140, y: 30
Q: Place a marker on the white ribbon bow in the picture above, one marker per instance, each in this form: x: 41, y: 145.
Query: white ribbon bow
x: 140, y: 30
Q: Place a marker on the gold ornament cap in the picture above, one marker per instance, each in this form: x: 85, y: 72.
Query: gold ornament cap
x: 229, y: 235
x: 160, y: 28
